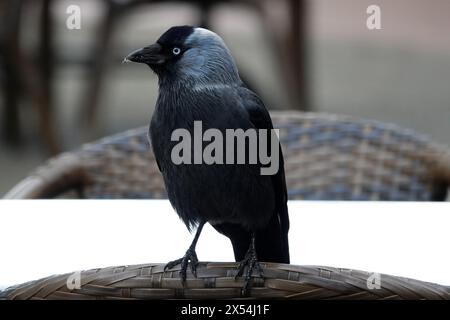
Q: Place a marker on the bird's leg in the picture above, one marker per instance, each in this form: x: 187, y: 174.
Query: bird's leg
x: 189, y: 257
x: 250, y: 261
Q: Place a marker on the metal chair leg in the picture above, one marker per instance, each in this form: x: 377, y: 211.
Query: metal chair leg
x: 291, y: 50
x: 10, y: 81
x: 45, y: 69
x: 90, y: 107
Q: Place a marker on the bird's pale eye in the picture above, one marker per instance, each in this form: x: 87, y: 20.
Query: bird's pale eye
x: 176, y: 51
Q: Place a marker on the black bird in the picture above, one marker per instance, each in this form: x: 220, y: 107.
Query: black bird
x: 199, y: 81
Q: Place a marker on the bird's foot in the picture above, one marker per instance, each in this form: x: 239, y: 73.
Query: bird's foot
x: 251, y: 262
x: 190, y: 258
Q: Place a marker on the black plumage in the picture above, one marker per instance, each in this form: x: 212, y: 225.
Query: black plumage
x: 200, y: 82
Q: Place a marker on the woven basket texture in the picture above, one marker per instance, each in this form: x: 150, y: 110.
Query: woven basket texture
x: 327, y: 157
x: 216, y: 281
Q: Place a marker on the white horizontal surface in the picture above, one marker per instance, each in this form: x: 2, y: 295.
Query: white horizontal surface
x: 44, y: 237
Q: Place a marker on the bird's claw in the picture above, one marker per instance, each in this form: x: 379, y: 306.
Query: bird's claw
x: 189, y: 258
x: 251, y: 262
x: 172, y: 264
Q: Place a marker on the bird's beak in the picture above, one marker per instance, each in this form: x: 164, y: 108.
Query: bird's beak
x: 151, y: 55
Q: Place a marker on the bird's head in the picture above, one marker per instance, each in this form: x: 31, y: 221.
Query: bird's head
x: 189, y: 55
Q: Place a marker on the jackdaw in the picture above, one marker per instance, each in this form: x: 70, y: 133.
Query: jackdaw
x: 199, y: 81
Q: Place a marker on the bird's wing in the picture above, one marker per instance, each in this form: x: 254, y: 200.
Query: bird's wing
x: 260, y: 118
x: 150, y: 140
x: 157, y: 163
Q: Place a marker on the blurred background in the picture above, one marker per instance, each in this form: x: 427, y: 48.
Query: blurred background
x: 62, y: 87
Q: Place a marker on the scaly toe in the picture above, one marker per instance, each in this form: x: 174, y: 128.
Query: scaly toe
x: 189, y: 258
x: 172, y: 264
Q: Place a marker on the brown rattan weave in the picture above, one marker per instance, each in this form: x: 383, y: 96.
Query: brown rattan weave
x: 216, y: 281
x: 327, y: 157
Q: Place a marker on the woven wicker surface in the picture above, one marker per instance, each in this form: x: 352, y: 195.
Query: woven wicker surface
x: 327, y: 157
x: 216, y: 281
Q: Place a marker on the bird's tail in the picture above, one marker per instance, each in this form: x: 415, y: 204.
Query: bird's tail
x: 272, y: 244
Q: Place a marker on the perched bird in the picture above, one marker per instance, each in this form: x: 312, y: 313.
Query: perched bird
x: 199, y: 81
